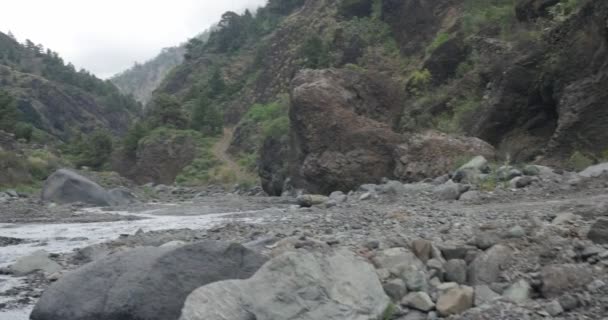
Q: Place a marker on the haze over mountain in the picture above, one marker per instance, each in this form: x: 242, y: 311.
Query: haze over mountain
x: 107, y: 37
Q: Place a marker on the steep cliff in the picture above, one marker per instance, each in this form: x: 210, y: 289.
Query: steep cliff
x: 524, y: 76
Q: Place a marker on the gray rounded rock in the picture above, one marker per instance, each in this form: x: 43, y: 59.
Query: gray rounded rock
x: 65, y: 186
x: 456, y: 271
x: 298, y: 286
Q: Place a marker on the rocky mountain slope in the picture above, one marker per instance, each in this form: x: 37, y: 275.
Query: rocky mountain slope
x: 512, y: 74
x: 55, y: 98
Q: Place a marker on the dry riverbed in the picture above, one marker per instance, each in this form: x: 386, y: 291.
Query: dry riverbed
x: 543, y: 225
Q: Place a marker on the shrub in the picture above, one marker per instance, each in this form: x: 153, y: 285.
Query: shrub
x: 356, y: 8
x: 39, y: 168
x: 165, y: 110
x: 420, y: 81
x: 564, y: 9
x: 371, y: 32
x: 92, y: 151
x: 451, y: 122
x: 389, y: 312
x: 276, y: 128
x: 464, y: 68
x: 315, y: 53
x: 24, y: 131
x: 131, y: 141
x: 483, y: 14
x: 440, y: 39
x: 578, y: 161
x: 248, y: 161
x: 199, y: 171
x: 207, y: 118
x: 271, y: 118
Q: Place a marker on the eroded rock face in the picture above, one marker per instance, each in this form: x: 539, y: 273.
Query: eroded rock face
x: 342, y: 134
x: 145, y: 283
x: 553, y: 109
x: 298, y: 286
x: 432, y: 154
x: 272, y: 168
x: 414, y: 22
x: 341, y: 123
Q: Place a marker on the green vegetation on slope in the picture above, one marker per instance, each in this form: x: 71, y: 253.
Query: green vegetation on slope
x: 93, y: 150
x: 34, y: 59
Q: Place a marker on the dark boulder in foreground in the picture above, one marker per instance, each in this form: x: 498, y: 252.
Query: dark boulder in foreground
x: 145, y: 283
x: 65, y: 186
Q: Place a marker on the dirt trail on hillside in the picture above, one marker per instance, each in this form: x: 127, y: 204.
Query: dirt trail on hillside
x: 220, y: 151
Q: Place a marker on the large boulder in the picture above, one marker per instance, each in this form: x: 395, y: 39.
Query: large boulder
x: 361, y: 111
x: 160, y: 158
x: 65, y: 186
x: 341, y: 129
x: 148, y: 283
x: 296, y: 286
x: 432, y: 154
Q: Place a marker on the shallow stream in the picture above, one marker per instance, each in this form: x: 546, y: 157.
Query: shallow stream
x: 62, y: 238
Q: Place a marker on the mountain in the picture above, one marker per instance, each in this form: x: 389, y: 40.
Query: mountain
x: 55, y: 98
x: 399, y: 82
x: 142, y: 79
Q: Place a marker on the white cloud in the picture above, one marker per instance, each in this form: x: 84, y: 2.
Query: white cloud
x: 106, y: 37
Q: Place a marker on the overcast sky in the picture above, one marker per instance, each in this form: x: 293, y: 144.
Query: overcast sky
x: 106, y: 37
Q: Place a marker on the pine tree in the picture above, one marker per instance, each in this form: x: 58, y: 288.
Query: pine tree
x: 8, y: 112
x: 207, y: 118
x: 216, y: 84
x: 166, y: 111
